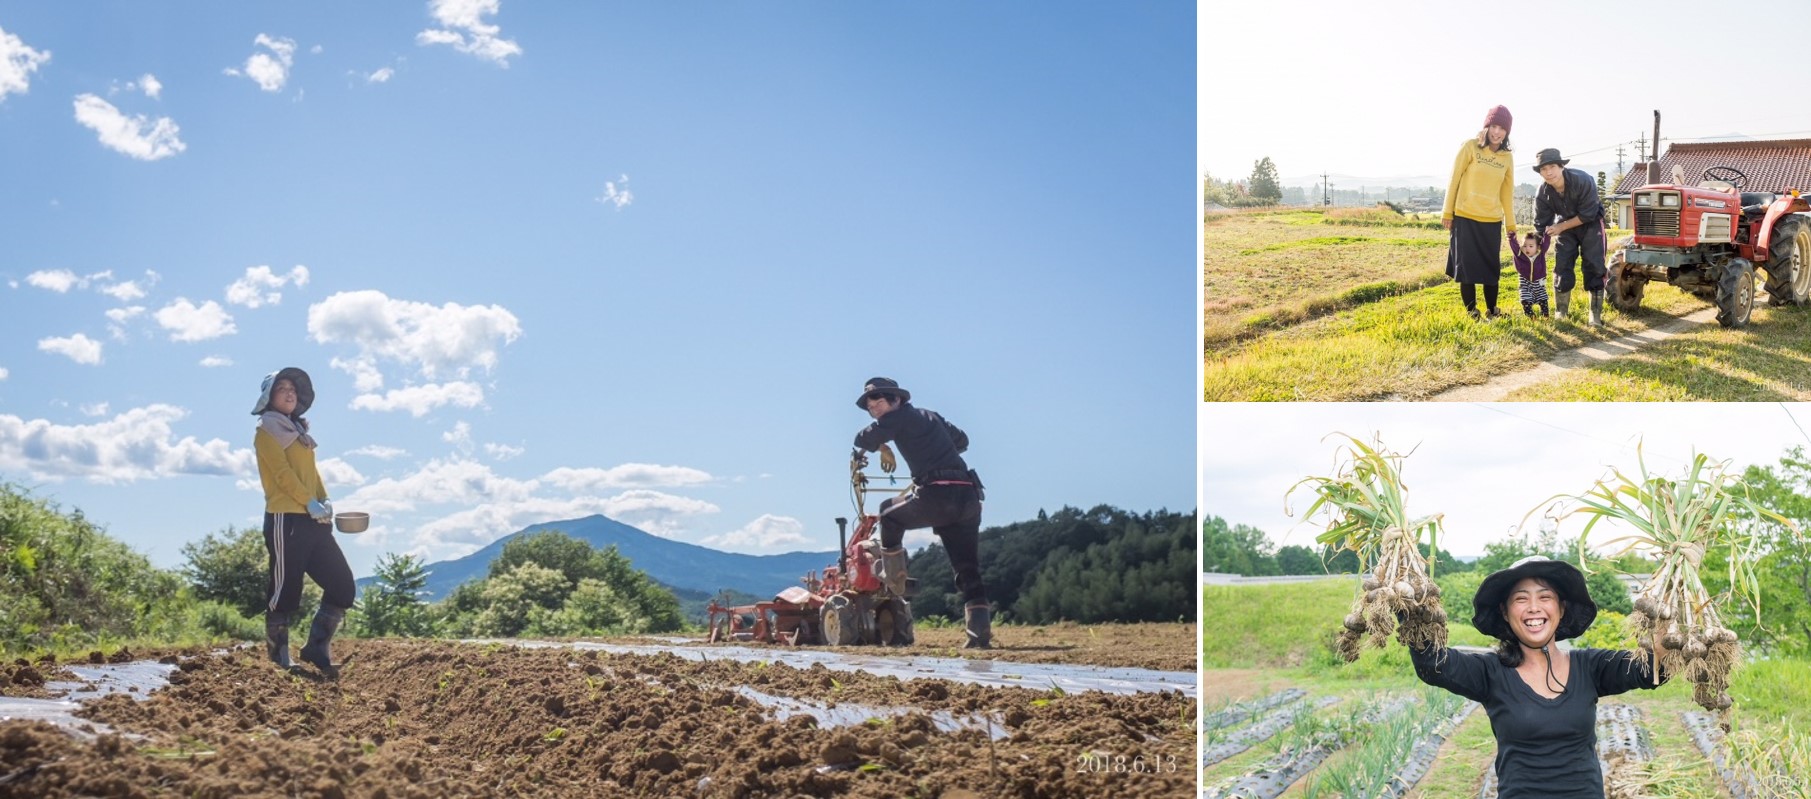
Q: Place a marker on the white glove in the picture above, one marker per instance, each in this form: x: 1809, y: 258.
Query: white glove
x: 321, y: 510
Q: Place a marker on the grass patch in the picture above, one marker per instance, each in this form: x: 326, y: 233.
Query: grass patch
x: 1459, y: 768
x: 1767, y: 361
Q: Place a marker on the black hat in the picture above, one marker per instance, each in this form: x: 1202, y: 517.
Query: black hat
x: 884, y: 385
x: 1549, y: 156
x: 304, y: 390
x: 1567, y: 581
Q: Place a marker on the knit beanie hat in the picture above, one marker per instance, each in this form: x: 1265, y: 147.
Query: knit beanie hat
x: 1499, y: 116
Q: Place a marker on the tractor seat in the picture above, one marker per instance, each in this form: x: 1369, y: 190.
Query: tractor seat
x: 1757, y: 200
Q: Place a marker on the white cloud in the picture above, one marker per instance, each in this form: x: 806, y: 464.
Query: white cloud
x: 628, y: 475
x: 214, y: 361
x: 449, y: 339
x: 57, y: 280
x: 379, y: 452
x: 119, y: 317
x: 316, y: 50
x: 78, y: 348
x: 188, y: 322
x: 17, y: 62
x: 147, y: 84
x: 335, y: 473
x: 365, y: 375
x: 459, y: 436
x: 3, y: 373
x: 381, y: 76
x: 769, y: 533
x: 465, y: 29
x: 418, y: 400
x: 617, y: 196
x: 139, y: 444
x: 136, y: 136
x: 504, y: 452
x: 124, y: 292
x: 259, y: 286
x: 269, y: 70
x: 94, y: 409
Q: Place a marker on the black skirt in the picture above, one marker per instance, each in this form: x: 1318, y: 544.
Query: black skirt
x: 1475, y: 254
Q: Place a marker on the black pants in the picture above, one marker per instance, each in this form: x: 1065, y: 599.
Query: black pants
x: 1586, y: 241
x: 298, y: 545
x: 1469, y: 293
x: 953, y: 512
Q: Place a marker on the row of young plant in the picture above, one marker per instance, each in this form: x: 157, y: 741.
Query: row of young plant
x: 1389, y: 744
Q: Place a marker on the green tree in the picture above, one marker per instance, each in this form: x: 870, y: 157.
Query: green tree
x: 393, y: 605
x: 1235, y: 549
x: 535, y: 577
x: 1297, y: 559
x: 1264, y: 184
x: 1783, y: 625
x: 230, y: 566
x: 1603, y: 188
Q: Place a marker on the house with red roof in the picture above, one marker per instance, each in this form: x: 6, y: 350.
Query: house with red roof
x: 1771, y: 166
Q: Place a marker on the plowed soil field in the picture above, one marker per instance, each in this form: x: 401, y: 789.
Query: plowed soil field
x: 434, y: 719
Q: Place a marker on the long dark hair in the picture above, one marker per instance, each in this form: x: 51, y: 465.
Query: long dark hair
x: 1509, y: 652
x: 1484, y: 140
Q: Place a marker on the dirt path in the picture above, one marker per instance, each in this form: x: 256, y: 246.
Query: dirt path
x: 1501, y: 386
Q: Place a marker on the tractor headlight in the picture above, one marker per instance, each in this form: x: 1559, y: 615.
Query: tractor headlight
x: 1644, y: 200
x: 1669, y: 201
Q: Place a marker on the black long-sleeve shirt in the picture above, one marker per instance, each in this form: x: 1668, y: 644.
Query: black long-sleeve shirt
x: 931, y: 446
x: 1578, y: 200
x: 1546, y: 748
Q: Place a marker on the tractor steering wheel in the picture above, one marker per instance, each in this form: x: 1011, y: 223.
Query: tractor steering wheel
x: 1727, y: 174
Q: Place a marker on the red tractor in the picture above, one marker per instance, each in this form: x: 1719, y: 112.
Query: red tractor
x: 848, y: 605
x: 1709, y: 239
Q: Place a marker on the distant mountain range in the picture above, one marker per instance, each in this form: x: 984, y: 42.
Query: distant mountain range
x: 677, y: 564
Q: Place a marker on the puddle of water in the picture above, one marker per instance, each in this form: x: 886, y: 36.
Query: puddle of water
x: 846, y: 714
x: 991, y: 673
x: 136, y: 679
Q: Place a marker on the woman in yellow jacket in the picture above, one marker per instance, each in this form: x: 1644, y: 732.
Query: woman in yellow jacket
x: 298, y: 522
x: 1480, y: 198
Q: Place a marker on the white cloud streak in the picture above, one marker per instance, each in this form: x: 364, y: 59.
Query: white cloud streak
x: 465, y: 30
x: 17, y: 61
x: 767, y: 534
x: 216, y: 361
x: 450, y: 339
x: 187, y: 321
x: 615, y: 195
x: 135, y: 136
x: 260, y: 286
x: 138, y: 444
x: 269, y: 70
x: 419, y: 400
x: 628, y: 475
x: 78, y: 348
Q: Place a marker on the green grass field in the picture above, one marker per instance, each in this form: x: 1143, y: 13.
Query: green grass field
x: 1259, y: 639
x: 1299, y: 308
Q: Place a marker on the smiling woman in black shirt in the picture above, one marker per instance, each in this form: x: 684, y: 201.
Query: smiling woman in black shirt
x: 1542, y: 700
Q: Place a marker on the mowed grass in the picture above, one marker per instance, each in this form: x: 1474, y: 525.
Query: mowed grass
x: 1267, y: 270
x: 1277, y: 626
x: 1413, y: 346
x: 1767, y: 361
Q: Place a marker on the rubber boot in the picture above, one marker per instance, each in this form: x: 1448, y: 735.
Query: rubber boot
x: 1562, y: 301
x: 893, y: 570
x: 979, y: 626
x: 276, y: 638
x: 1597, y: 308
x: 316, y: 652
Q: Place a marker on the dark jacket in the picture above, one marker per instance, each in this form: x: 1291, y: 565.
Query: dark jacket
x: 1578, y: 200
x: 931, y: 446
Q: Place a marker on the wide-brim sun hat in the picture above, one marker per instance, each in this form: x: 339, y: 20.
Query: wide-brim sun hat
x: 1567, y: 581
x: 884, y: 385
x: 1549, y: 156
x: 304, y: 390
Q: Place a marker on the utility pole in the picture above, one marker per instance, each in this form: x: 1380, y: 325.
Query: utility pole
x: 1618, y: 159
x: 1326, y: 190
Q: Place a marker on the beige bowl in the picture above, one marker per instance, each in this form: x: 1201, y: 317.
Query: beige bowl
x: 352, y: 522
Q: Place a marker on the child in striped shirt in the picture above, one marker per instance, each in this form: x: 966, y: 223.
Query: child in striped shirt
x: 1531, y: 266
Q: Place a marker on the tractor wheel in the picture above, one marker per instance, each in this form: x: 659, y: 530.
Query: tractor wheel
x: 894, y: 622
x: 1735, y: 293
x: 1789, y: 264
x: 842, y: 622
x: 1625, y: 290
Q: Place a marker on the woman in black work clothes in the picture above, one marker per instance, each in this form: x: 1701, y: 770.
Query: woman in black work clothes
x: 1542, y: 700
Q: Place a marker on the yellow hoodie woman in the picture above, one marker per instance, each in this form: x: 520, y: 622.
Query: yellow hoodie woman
x: 1479, y: 199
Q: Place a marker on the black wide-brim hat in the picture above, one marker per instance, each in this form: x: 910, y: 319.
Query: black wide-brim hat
x: 304, y: 390
x: 1549, y: 156
x: 1567, y: 581
x: 885, y: 385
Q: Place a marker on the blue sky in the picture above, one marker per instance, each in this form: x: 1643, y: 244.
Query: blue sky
x: 544, y: 260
